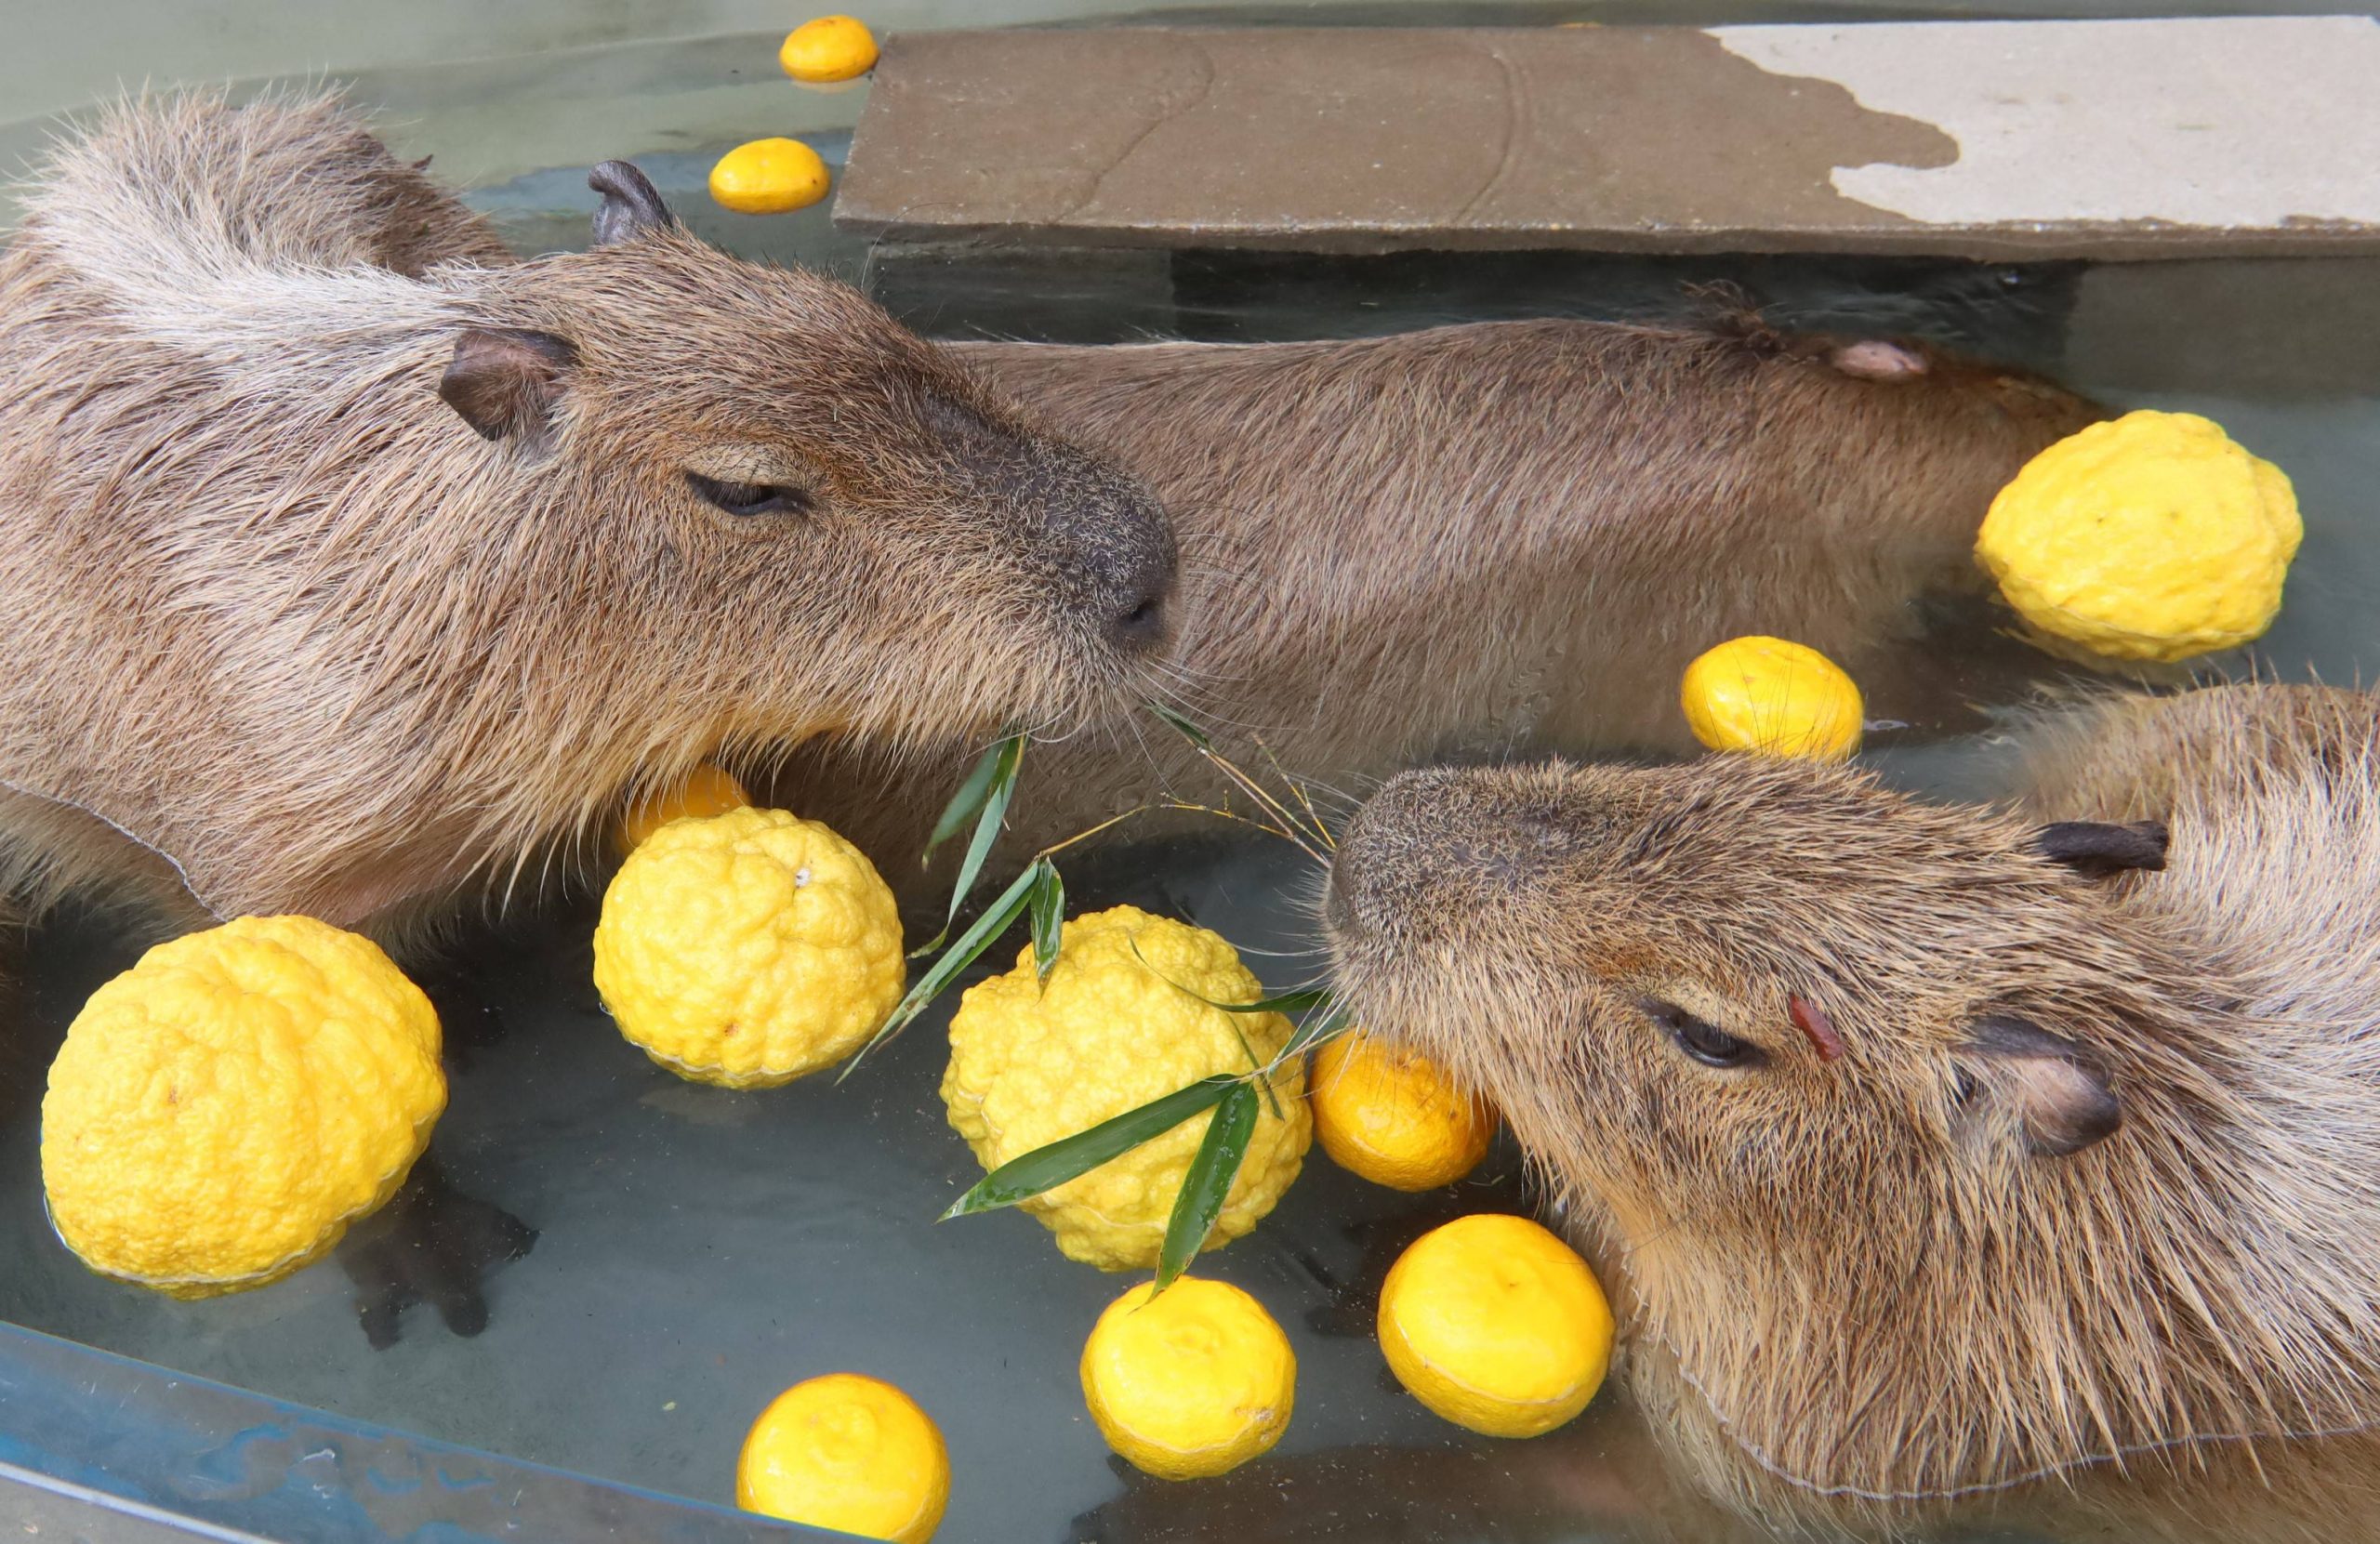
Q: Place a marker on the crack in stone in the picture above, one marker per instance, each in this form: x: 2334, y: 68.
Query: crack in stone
x: 1099, y: 180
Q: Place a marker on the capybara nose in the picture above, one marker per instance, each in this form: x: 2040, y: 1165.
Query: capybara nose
x: 1141, y: 625
x: 1131, y: 577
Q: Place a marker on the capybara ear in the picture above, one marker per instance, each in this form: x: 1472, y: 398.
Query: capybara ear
x: 1873, y: 359
x: 2060, y: 1094
x: 2101, y: 848
x: 506, y: 382
x: 631, y: 205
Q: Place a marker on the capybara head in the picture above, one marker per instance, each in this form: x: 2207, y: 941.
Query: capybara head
x: 1870, y: 1096
x: 805, y: 514
x: 1727, y: 990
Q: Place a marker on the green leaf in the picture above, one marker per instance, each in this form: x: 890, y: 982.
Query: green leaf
x: 1207, y: 1183
x: 972, y: 943
x: 1047, y: 1167
x: 967, y: 800
x: 1284, y: 1002
x: 1005, y: 758
x: 1316, y: 1029
x: 1188, y: 731
x: 1049, y: 904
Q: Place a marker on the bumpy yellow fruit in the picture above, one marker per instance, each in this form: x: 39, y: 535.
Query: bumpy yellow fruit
x: 1772, y: 698
x: 1496, y: 1324
x: 2154, y: 536
x: 1113, y: 1030
x: 223, y: 1110
x: 1192, y: 1382
x: 769, y: 177
x: 1394, y: 1116
x: 707, y: 790
x: 830, y: 48
x: 749, y: 948
x: 849, y: 1453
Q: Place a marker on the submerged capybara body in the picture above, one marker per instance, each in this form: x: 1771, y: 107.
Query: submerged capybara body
x: 349, y: 560
x: 1493, y: 538
x: 1939, y: 1153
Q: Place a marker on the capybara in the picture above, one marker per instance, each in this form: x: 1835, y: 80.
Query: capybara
x: 348, y: 561
x: 1489, y: 539
x: 1481, y: 538
x: 1939, y: 1150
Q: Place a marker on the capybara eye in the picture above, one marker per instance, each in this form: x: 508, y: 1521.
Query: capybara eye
x: 1706, y: 1042
x: 750, y: 498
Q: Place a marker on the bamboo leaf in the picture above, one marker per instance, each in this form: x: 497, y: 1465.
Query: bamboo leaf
x: 1207, y: 1183
x: 1049, y: 1167
x: 1007, y: 757
x: 1284, y: 1002
x: 971, y: 943
x: 1048, y: 906
x: 966, y: 801
x: 1187, y: 729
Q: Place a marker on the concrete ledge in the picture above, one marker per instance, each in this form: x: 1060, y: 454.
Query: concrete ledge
x: 2001, y: 139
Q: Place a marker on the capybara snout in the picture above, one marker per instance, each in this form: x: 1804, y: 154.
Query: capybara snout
x: 1442, y: 843
x: 1105, y: 545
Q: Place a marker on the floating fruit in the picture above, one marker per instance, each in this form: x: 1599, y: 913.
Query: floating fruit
x: 1118, y: 1024
x: 1190, y: 1382
x: 849, y: 1453
x: 222, y: 1112
x: 749, y: 948
x: 1496, y: 1324
x: 1394, y: 1116
x: 1772, y: 698
x: 770, y: 177
x: 829, y: 49
x: 2152, y: 536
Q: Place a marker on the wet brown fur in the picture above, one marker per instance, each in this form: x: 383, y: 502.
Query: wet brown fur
x: 1495, y: 537
x: 283, y: 619
x: 1858, y: 1291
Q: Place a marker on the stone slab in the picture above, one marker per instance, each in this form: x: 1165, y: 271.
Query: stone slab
x: 2002, y: 140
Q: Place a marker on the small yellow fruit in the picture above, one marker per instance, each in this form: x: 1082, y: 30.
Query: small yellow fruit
x: 1393, y: 1117
x: 1496, y: 1324
x: 749, y: 948
x: 769, y: 177
x: 222, y: 1112
x: 1192, y: 1384
x: 849, y: 1453
x: 1113, y: 1029
x: 707, y: 790
x: 2152, y: 536
x: 1772, y: 698
x: 830, y: 48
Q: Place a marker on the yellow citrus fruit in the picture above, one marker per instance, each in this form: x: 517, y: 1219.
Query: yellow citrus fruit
x: 849, y: 1453
x: 1191, y: 1382
x: 1113, y: 1029
x: 1496, y: 1324
x: 769, y: 177
x: 2151, y: 536
x: 1394, y: 1116
x: 707, y: 790
x: 223, y: 1110
x: 1773, y: 697
x: 749, y: 948
x: 830, y: 48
